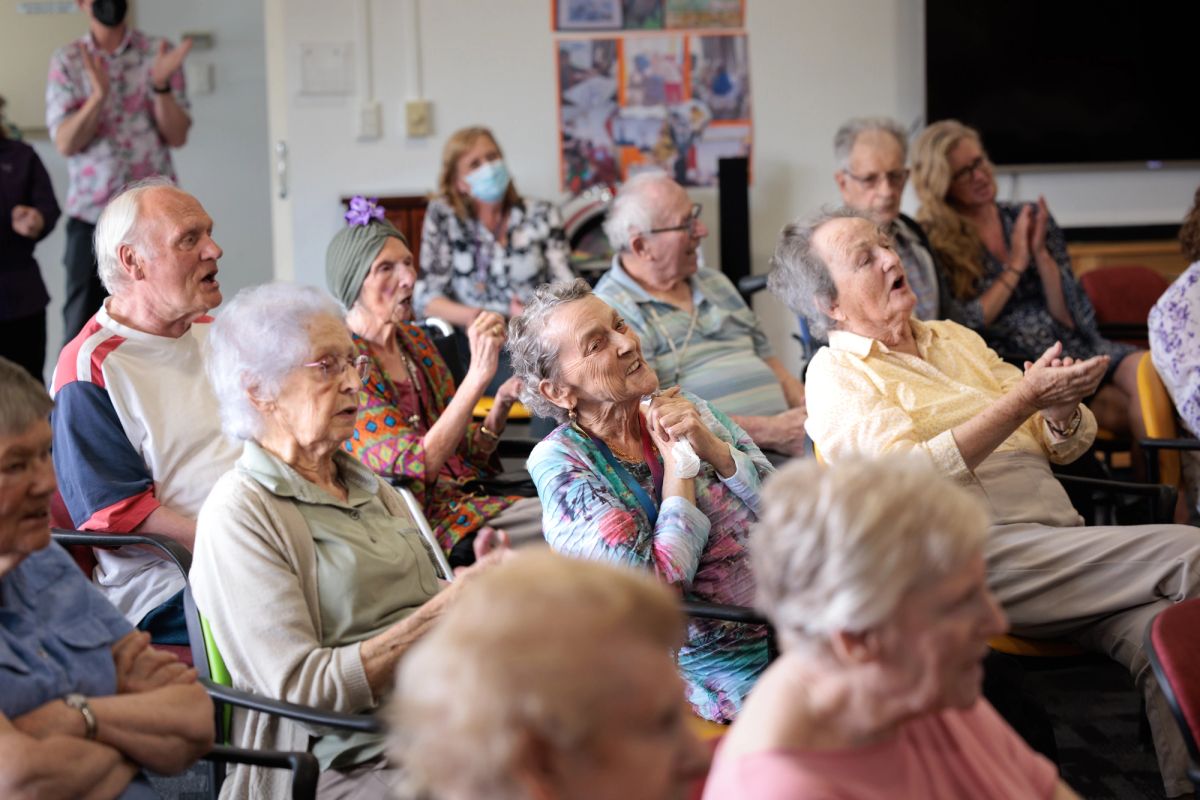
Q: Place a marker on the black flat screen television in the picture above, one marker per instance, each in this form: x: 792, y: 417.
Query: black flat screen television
x: 1067, y: 82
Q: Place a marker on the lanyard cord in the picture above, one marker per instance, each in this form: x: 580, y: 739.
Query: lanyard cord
x: 687, y: 342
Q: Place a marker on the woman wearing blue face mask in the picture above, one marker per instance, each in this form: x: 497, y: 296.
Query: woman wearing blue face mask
x: 483, y: 246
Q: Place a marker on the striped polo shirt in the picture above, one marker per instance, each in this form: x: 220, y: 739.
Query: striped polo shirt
x: 719, y: 357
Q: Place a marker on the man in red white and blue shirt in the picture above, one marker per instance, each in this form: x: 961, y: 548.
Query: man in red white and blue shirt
x: 137, y: 435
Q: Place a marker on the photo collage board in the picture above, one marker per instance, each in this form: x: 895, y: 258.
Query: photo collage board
x: 650, y: 84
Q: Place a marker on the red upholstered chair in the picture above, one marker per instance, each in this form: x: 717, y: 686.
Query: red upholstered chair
x: 1122, y: 297
x: 1174, y: 651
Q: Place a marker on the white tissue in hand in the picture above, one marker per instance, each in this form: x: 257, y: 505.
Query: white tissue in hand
x: 687, y: 463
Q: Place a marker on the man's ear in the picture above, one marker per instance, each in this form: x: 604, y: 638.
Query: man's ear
x: 639, y: 245
x: 559, y: 395
x: 128, y: 257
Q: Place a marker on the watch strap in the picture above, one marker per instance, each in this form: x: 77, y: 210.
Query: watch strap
x: 80, y: 704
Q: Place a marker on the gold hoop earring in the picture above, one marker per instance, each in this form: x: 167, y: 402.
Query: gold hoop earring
x: 572, y: 415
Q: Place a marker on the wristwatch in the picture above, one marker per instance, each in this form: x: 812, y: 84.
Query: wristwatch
x: 80, y: 704
x: 161, y: 90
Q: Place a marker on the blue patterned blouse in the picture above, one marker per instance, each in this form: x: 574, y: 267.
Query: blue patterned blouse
x: 589, y: 512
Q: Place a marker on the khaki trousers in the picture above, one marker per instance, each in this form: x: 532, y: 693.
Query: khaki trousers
x: 1099, y: 586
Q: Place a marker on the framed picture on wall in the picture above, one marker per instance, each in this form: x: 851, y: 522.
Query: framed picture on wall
x: 587, y: 15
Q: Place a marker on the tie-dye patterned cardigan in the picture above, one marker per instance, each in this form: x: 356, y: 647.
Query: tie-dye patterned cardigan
x: 588, y: 512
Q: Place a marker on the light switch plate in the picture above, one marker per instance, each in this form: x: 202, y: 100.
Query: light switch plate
x: 370, y: 123
x: 418, y: 117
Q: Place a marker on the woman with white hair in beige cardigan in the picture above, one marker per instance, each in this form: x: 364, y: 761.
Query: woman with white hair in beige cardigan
x: 310, y: 570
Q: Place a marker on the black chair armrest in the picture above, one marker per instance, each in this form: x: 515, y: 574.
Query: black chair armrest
x: 727, y: 613
x: 1124, y: 330
x: 304, y: 767
x: 171, y: 549
x: 365, y: 723
x: 1170, y: 444
x: 515, y: 447
x: 1161, y: 497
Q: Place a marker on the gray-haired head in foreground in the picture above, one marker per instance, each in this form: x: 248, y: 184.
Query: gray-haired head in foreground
x: 534, y: 358
x: 120, y: 224
x: 498, y: 671
x: 23, y: 401
x: 799, y: 276
x: 261, y: 336
x: 837, y: 548
x: 632, y: 210
x: 847, y: 135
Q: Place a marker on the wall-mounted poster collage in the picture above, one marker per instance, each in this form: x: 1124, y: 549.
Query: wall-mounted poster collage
x: 643, y: 84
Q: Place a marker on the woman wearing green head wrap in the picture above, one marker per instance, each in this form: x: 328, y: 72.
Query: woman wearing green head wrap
x: 413, y: 423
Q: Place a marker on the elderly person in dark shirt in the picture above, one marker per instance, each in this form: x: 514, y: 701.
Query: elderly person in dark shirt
x: 28, y: 212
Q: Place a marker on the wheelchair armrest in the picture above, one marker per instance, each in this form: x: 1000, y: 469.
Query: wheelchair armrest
x: 727, y: 613
x: 171, y: 549
x: 365, y: 723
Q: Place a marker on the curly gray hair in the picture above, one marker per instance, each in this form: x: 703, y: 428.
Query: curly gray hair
x: 838, y: 548
x: 799, y: 276
x: 259, y: 338
x: 533, y: 357
x: 847, y: 135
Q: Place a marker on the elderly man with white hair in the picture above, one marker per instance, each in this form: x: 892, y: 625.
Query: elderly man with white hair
x: 695, y: 329
x: 872, y: 154
x: 137, y: 437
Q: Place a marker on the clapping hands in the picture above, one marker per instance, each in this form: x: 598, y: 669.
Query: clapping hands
x: 1055, y: 384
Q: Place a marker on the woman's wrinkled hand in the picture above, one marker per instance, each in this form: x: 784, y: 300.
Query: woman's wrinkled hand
x: 485, y: 335
x: 1041, y: 222
x: 1055, y: 385
x: 672, y: 418
x: 509, y: 392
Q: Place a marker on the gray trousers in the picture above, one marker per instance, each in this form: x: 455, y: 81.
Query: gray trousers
x: 1099, y: 586
x: 522, y: 521
x: 373, y: 780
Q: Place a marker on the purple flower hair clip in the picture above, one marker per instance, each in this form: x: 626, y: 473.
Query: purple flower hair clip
x: 362, y: 211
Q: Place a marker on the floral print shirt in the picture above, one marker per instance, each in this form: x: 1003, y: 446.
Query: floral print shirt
x: 1174, y: 325
x: 1025, y: 328
x: 127, y: 145
x: 462, y: 261
x: 589, y: 512
x: 393, y: 418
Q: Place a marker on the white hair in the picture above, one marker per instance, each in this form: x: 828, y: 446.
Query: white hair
x: 847, y: 135
x: 259, y: 337
x: 631, y: 212
x: 799, y: 276
x: 120, y: 224
x: 497, y: 671
x: 838, y: 548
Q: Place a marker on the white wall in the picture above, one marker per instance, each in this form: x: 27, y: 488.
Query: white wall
x: 225, y: 162
x: 813, y: 64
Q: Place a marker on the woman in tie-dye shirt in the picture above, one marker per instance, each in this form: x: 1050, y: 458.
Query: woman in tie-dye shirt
x: 612, y: 483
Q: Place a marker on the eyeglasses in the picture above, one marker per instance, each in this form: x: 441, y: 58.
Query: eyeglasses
x: 969, y: 170
x: 693, y: 219
x: 895, y: 178
x: 332, y: 367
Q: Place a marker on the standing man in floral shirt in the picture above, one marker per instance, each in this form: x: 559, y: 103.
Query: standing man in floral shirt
x: 115, y: 104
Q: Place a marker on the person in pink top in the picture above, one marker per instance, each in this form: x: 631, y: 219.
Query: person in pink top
x: 873, y: 575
